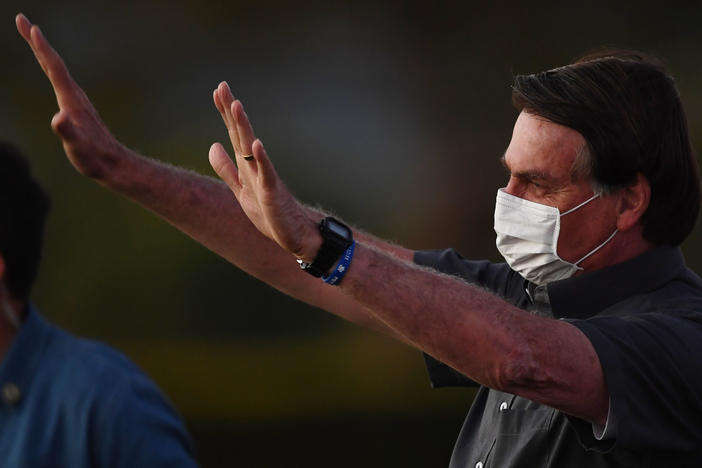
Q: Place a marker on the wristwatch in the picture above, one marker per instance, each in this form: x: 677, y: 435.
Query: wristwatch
x: 336, y: 238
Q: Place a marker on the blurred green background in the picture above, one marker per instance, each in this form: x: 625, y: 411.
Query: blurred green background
x: 391, y: 114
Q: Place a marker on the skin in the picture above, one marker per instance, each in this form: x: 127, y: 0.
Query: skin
x: 200, y: 206
x: 262, y: 228
x: 540, y: 160
x: 468, y: 328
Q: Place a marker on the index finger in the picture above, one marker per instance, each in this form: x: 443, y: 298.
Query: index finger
x: 49, y: 60
x: 24, y: 28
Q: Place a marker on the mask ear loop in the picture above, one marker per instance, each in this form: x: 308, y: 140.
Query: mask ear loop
x: 598, y: 247
x: 582, y: 204
x: 577, y: 264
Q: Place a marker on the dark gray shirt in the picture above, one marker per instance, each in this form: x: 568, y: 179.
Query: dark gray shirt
x: 644, y: 319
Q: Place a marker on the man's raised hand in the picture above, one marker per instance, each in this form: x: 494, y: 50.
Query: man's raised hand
x: 94, y: 151
x: 260, y: 192
x: 88, y: 143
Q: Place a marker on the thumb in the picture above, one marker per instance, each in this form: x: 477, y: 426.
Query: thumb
x: 224, y: 167
x: 63, y: 127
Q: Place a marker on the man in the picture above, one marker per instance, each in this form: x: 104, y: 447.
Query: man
x: 66, y: 401
x: 603, y: 185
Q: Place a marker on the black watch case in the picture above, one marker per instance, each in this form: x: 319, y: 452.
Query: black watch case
x: 337, y: 237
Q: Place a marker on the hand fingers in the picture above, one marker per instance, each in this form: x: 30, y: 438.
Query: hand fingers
x: 50, y: 61
x: 24, y: 27
x: 220, y: 107
x: 269, y: 178
x: 222, y: 111
x: 226, y: 98
x: 244, y: 129
x: 237, y: 122
x: 56, y: 69
x: 219, y: 103
x: 223, y: 101
x: 224, y: 167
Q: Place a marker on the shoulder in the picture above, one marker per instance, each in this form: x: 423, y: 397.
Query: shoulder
x: 648, y: 350
x: 498, y: 278
x: 87, y: 363
x: 121, y: 412
x: 665, y: 321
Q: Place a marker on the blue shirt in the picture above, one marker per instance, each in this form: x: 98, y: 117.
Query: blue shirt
x: 69, y: 402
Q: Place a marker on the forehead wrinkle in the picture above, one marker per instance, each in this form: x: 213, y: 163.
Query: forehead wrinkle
x: 543, y: 152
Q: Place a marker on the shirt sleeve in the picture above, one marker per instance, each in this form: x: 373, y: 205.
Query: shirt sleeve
x: 650, y: 365
x: 609, y: 430
x: 136, y: 426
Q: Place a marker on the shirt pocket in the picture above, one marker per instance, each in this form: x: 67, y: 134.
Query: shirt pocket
x: 523, y: 438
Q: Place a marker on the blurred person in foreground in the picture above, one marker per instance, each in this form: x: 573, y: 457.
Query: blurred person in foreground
x: 66, y: 401
x: 584, y: 342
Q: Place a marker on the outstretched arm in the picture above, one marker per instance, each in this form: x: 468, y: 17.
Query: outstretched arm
x: 474, y: 331
x: 200, y: 206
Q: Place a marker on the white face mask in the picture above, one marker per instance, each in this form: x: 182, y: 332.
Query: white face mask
x: 527, y: 237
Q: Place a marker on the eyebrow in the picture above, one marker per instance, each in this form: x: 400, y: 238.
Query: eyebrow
x: 529, y: 174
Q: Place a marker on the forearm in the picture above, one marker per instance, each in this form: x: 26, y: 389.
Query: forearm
x: 205, y: 209
x: 402, y: 253
x: 480, y: 334
x: 453, y: 321
x: 200, y: 206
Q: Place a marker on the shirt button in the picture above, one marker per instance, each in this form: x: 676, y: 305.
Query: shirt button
x: 479, y: 465
x: 11, y: 393
x: 503, y: 406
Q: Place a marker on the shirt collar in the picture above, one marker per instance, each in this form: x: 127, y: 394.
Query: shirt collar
x: 588, y: 294
x: 24, y: 355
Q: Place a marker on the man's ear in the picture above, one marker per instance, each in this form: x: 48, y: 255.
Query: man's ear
x: 633, y: 203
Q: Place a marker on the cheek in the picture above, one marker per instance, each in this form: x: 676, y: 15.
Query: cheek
x: 572, y: 239
x: 582, y: 233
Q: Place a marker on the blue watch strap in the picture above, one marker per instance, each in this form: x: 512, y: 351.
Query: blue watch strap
x: 342, y: 267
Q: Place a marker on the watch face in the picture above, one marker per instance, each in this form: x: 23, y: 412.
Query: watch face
x: 338, y: 229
